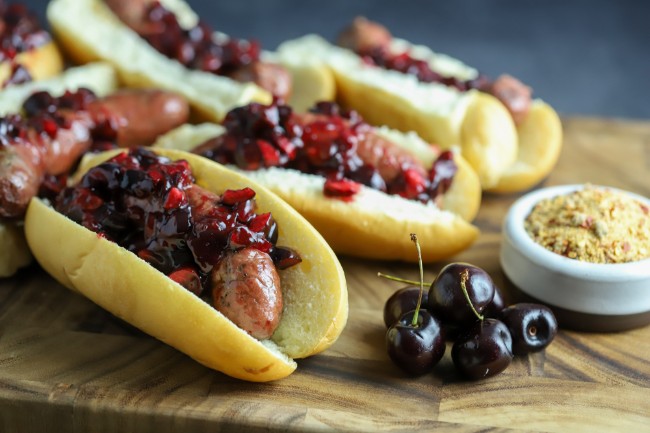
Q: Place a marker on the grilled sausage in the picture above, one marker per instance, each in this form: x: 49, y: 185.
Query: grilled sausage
x: 130, y: 12
x: 246, y: 289
x: 24, y: 160
x: 269, y: 76
x: 515, y: 95
x: 364, y: 35
x: 49, y: 145
x: 140, y: 115
x: 388, y: 158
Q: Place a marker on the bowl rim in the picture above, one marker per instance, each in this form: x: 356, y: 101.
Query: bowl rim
x: 526, y: 245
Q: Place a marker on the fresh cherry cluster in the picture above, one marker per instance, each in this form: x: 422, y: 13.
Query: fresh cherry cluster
x: 462, y: 302
x: 195, y: 47
x: 149, y: 205
x: 406, y: 64
x: 326, y: 143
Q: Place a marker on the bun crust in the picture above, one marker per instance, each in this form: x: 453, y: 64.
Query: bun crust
x: 14, y: 253
x: 315, y: 294
x: 540, y: 144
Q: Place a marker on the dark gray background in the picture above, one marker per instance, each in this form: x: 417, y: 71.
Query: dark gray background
x: 589, y: 57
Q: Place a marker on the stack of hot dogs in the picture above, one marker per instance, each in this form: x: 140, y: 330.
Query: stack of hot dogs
x: 309, y: 151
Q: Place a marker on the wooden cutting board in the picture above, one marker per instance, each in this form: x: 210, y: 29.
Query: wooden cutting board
x: 67, y: 366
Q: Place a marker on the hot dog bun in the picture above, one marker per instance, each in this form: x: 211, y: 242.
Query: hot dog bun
x: 315, y: 294
x: 99, y: 77
x: 540, y: 144
x: 14, y: 252
x: 104, y: 37
x: 477, y: 122
x: 373, y: 224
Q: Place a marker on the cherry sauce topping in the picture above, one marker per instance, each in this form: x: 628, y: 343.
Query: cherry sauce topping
x: 43, y: 114
x: 43, y: 105
x: 195, y: 48
x: 406, y: 64
x: 42, y: 102
x: 259, y: 136
x: 150, y: 205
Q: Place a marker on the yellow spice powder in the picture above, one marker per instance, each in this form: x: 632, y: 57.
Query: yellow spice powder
x: 592, y: 224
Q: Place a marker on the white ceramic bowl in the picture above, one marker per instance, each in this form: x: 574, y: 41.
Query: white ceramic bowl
x: 584, y: 296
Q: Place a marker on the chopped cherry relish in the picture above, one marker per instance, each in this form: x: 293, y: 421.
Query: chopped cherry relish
x: 406, y: 64
x: 45, y: 114
x: 41, y: 116
x: 42, y: 102
x: 325, y: 142
x: 195, y: 47
x: 150, y: 205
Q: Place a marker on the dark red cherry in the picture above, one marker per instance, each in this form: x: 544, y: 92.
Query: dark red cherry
x: 483, y: 350
x: 532, y: 326
x: 449, y: 302
x: 416, y: 349
x: 497, y: 305
x: 400, y: 302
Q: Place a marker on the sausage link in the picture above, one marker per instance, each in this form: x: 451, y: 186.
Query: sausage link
x: 25, y: 161
x: 246, y: 289
x: 19, y: 180
x: 130, y: 12
x: 141, y: 115
x: 388, y: 158
x: 269, y: 76
x: 515, y: 95
x: 201, y: 200
x: 363, y: 36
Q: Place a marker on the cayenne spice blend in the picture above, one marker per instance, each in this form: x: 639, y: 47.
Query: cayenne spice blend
x: 592, y: 224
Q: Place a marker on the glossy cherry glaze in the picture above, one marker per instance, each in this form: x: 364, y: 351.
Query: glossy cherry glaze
x: 401, y: 302
x: 532, y: 326
x: 447, y: 299
x: 46, y: 114
x: 150, y: 205
x: 42, y: 116
x: 259, y: 136
x: 483, y: 350
x: 416, y: 349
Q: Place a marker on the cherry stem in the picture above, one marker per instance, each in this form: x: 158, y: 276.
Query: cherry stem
x: 398, y: 279
x: 414, y: 322
x: 464, y: 276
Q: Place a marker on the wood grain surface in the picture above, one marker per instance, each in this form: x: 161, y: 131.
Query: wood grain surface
x: 67, y: 366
